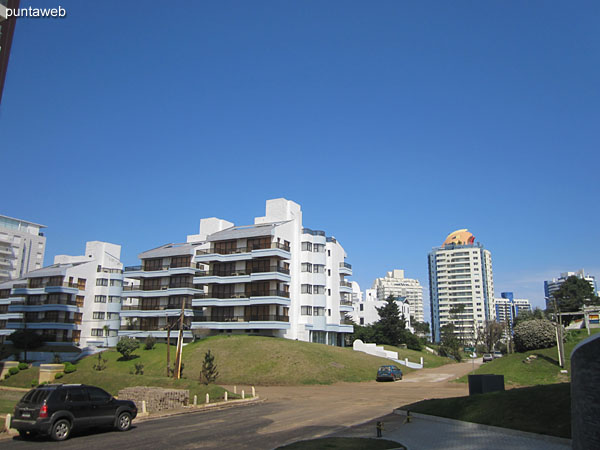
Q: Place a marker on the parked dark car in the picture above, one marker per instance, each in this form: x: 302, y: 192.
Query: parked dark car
x: 58, y: 409
x: 389, y: 373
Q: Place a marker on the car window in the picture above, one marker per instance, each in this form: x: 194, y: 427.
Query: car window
x: 77, y: 395
x: 36, y: 396
x: 98, y: 395
x: 60, y: 395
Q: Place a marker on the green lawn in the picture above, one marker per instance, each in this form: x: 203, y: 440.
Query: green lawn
x: 430, y: 360
x: 544, y: 409
x: 343, y: 444
x: 23, y: 379
x: 8, y: 399
x: 543, y: 370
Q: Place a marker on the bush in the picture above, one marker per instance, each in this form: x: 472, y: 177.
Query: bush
x: 126, y: 346
x: 534, y: 335
x: 13, y: 370
x: 23, y: 366
x: 34, y: 383
x: 59, y: 375
x: 70, y: 368
x: 7, y: 376
x: 149, y: 343
x: 139, y: 369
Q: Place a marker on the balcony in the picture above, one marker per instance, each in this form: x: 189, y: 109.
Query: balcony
x: 69, y: 288
x: 266, y: 293
x: 345, y: 268
x: 164, y: 270
x: 246, y: 318
x: 313, y: 232
x: 346, y: 302
x: 244, y: 275
x: 186, y: 285
x: 274, y: 249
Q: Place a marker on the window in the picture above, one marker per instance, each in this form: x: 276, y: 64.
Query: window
x: 328, y: 291
x: 319, y: 248
x: 307, y: 247
x: 113, y: 316
x: 362, y: 307
x: 318, y: 268
x: 362, y: 320
x: 116, y: 282
x: 77, y: 395
x: 97, y: 332
x: 328, y: 272
x: 100, y: 299
x: 328, y: 252
x: 306, y: 289
x: 114, y: 299
x: 306, y: 310
x: 98, y: 315
x: 102, y: 282
x: 98, y: 395
x: 318, y: 289
x: 306, y: 267
x: 180, y: 261
x: 319, y: 311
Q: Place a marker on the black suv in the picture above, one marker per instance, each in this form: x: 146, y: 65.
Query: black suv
x: 57, y: 409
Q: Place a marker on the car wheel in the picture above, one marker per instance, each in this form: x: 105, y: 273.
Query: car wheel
x: 61, y: 430
x: 124, y: 421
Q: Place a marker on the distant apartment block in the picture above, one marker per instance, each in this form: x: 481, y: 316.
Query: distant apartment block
x: 396, y: 285
x: 460, y: 273
x: 22, y: 247
x: 550, y: 287
x: 508, y: 308
x: 365, y: 309
x: 273, y: 278
x: 76, y: 301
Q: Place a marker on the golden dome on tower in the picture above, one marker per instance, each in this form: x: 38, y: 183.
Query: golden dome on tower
x: 460, y: 237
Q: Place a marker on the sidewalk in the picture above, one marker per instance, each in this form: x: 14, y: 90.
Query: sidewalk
x: 427, y: 432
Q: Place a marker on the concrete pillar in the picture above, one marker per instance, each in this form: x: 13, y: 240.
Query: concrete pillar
x: 243, y: 394
x: 207, y: 398
x: 422, y: 365
x: 225, y: 396
x: 144, y: 407
x: 235, y: 389
x: 253, y: 392
x: 406, y: 361
x: 195, y: 400
x: 7, y: 422
x: 585, y: 395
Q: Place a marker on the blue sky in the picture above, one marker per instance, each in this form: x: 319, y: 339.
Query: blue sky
x: 392, y: 123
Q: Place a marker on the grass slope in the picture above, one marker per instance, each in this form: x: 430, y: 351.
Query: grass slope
x: 543, y: 370
x: 8, y: 400
x: 537, y: 409
x: 429, y: 360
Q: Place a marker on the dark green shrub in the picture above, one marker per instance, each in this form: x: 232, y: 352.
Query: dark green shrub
x: 59, y: 375
x: 126, y: 346
x: 34, y: 383
x: 13, y: 370
x: 70, y: 368
x: 139, y: 369
x: 23, y: 366
x: 149, y: 342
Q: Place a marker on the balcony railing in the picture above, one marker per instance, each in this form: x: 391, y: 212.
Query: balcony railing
x: 269, y: 293
x: 234, y: 273
x: 48, y: 303
x: 162, y: 288
x: 232, y: 251
x: 44, y: 285
x: 163, y: 267
x: 154, y: 307
x: 346, y: 302
x: 346, y: 265
x: 46, y: 320
x: 246, y: 318
x: 313, y: 232
x: 345, y: 283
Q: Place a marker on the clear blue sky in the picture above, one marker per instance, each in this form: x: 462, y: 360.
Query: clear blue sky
x: 392, y: 123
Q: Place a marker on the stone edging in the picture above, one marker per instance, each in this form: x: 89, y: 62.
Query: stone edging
x: 525, y: 434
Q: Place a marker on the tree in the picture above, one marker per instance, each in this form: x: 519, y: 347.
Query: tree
x: 126, y: 346
x: 209, y: 372
x: 534, y: 335
x: 573, y: 294
x: 389, y: 329
x: 421, y: 328
x: 490, y: 334
x: 26, y: 340
x: 450, y: 343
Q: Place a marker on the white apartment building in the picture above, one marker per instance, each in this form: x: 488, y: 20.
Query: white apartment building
x: 365, y: 309
x: 74, y: 302
x: 550, y: 287
x: 395, y: 284
x: 22, y: 247
x: 272, y: 278
x: 460, y: 273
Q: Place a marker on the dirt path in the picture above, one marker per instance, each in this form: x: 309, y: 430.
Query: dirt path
x: 346, y: 404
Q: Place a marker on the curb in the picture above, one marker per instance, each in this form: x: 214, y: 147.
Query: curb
x: 525, y: 434
x: 199, y: 408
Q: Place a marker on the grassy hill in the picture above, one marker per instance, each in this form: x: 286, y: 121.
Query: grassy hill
x: 542, y: 370
x: 429, y: 360
x: 240, y: 360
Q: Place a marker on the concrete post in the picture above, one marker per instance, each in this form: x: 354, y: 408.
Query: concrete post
x: 235, y: 389
x: 225, y: 396
x: 143, y: 406
x: 406, y: 361
x: 243, y: 394
x: 195, y: 400
x: 7, y: 423
x: 422, y: 365
x: 253, y: 392
x: 207, y: 398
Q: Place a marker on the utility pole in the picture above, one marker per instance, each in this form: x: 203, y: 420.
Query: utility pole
x: 559, y: 337
x: 177, y: 374
x: 168, y: 347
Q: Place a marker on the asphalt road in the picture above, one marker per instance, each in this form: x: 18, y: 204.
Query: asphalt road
x: 286, y: 415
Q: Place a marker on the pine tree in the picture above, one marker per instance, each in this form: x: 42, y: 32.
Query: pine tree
x: 390, y: 326
x: 209, y: 372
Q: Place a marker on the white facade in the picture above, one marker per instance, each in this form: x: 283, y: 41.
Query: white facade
x: 460, y: 274
x: 75, y: 301
x: 22, y: 247
x: 550, y: 287
x: 272, y: 278
x: 365, y: 309
x: 396, y: 285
